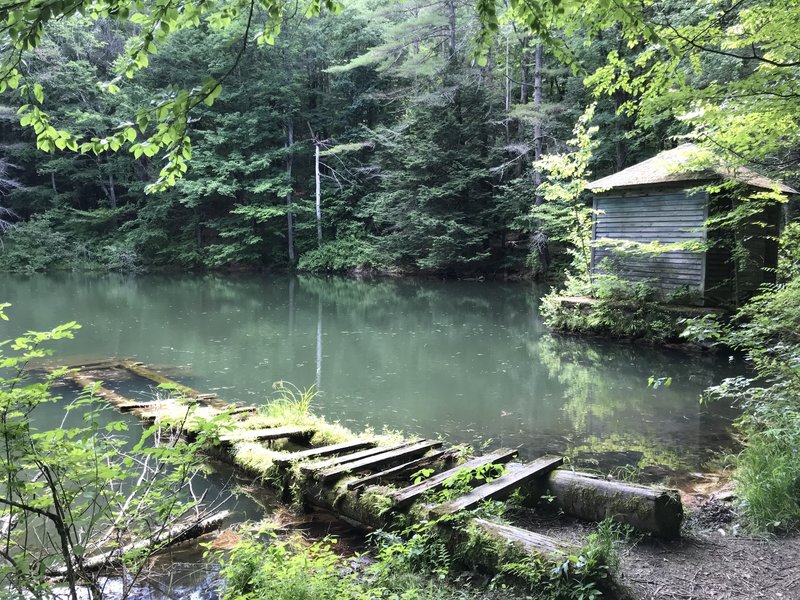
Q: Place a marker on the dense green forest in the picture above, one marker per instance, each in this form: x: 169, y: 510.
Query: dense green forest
x: 426, y: 128
x: 446, y: 137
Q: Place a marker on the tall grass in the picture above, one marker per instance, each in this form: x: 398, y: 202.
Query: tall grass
x: 768, y: 473
x: 290, y: 403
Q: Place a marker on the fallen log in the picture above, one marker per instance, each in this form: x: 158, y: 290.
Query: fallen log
x: 653, y: 510
x: 168, y: 537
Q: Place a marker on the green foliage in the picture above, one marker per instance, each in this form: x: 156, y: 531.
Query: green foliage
x: 34, y: 246
x: 282, y: 570
x: 620, y: 309
x: 296, y: 570
x: 789, y: 253
x: 81, y: 483
x: 340, y: 256
x: 565, y: 215
x: 768, y: 471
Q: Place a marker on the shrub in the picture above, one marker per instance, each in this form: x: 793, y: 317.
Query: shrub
x: 34, y: 246
x: 344, y: 254
x: 619, y: 309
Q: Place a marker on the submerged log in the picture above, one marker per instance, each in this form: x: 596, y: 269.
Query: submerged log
x: 654, y: 510
x: 169, y: 537
x: 139, y: 369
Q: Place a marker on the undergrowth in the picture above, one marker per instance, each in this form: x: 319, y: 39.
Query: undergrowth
x: 421, y: 562
x: 619, y: 309
x: 768, y: 468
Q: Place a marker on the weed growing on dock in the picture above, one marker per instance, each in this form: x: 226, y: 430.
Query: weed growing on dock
x: 290, y: 403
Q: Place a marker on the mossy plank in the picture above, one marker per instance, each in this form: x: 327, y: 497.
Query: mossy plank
x: 311, y: 467
x: 411, y: 493
x: 139, y: 369
x: 502, y: 487
x: 323, y: 451
x: 265, y: 435
x: 378, y: 460
x: 408, y: 467
x: 86, y: 382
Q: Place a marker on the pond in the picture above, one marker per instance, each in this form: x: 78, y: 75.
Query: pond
x: 468, y: 361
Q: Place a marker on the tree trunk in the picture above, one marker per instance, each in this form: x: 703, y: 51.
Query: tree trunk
x: 318, y: 194
x: 524, y: 71
x: 112, y: 192
x: 537, y: 128
x: 508, y: 90
x: 451, y: 23
x: 289, y: 216
x: 538, y: 240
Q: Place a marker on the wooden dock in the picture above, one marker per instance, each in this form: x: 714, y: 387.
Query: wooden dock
x: 343, y: 477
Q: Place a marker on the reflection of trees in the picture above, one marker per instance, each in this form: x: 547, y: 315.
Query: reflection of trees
x: 611, y: 407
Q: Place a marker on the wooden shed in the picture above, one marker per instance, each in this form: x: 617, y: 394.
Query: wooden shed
x: 663, y: 200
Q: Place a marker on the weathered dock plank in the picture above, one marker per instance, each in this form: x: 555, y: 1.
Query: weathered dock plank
x: 265, y: 435
x: 413, y: 492
x: 502, y: 486
x: 378, y: 461
x: 139, y: 369
x: 322, y: 451
x: 311, y: 467
x: 408, y: 467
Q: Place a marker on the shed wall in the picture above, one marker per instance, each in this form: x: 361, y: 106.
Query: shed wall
x: 646, y: 216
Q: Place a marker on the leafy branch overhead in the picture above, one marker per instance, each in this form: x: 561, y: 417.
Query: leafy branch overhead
x: 163, y: 126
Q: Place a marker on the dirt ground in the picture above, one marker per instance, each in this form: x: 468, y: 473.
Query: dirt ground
x: 713, y: 560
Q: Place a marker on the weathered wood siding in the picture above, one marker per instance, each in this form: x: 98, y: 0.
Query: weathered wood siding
x: 665, y: 216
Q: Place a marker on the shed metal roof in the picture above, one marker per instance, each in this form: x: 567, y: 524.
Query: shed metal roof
x: 687, y: 162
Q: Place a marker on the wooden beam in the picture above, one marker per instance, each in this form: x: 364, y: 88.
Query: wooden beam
x: 109, y: 363
x: 139, y: 369
x: 322, y: 451
x: 260, y: 435
x: 312, y: 467
x: 502, y: 486
x: 411, y: 493
x: 161, y: 540
x: 395, y: 471
x: 242, y: 410
x: 377, y: 461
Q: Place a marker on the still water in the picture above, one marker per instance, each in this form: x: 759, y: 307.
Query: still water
x: 468, y: 361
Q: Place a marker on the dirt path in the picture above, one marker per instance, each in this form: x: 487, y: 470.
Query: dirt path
x: 710, y: 562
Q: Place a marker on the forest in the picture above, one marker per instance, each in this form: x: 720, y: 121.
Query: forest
x: 427, y: 121
x: 186, y: 177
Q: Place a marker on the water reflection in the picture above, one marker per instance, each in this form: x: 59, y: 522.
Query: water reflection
x: 466, y: 360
